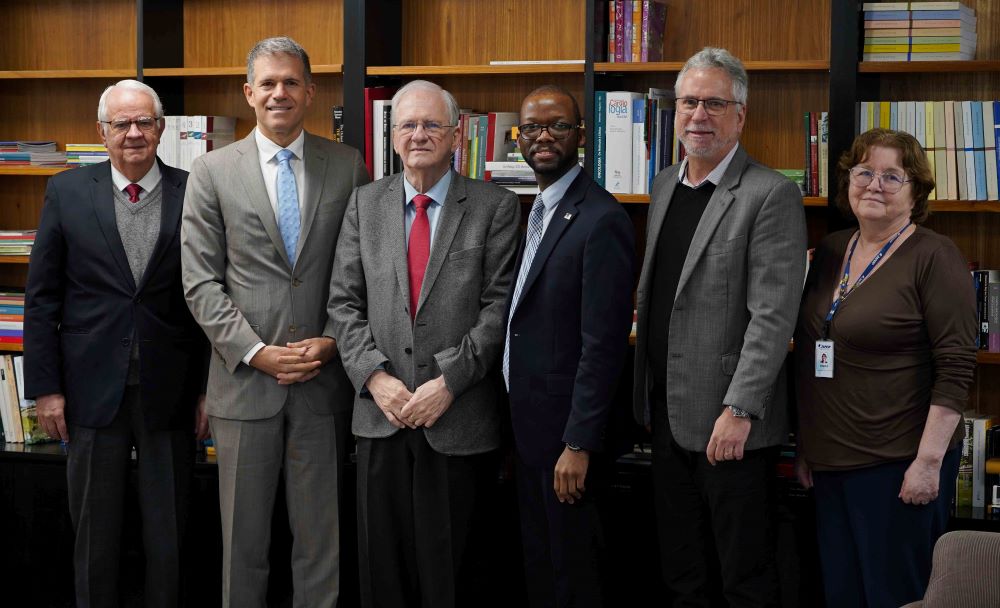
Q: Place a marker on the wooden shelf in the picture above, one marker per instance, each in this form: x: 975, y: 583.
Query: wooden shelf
x: 11, y: 347
x: 13, y: 259
x: 28, y: 170
x: 643, y: 199
x: 944, y: 67
x: 474, y: 70
x: 965, y: 206
x: 332, y: 68
x: 985, y: 358
x: 751, y: 66
x: 38, y: 74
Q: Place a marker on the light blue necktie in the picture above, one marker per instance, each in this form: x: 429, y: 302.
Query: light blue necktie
x: 288, y: 204
x: 534, y: 237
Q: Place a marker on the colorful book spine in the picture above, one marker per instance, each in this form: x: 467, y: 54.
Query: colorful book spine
x: 600, y: 99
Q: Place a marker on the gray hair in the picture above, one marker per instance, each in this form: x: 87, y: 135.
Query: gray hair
x: 426, y: 85
x: 131, y: 85
x: 713, y: 57
x: 275, y: 46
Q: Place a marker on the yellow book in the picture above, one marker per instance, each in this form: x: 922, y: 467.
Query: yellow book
x: 884, y: 114
x: 929, y: 138
x: 916, y: 48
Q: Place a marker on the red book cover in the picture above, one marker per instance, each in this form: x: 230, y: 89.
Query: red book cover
x: 371, y: 94
x: 620, y: 31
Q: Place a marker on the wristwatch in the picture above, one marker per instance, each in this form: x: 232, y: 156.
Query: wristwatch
x: 739, y: 413
x: 573, y: 447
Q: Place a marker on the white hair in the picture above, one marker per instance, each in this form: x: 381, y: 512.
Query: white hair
x: 426, y: 85
x: 132, y: 85
x: 713, y: 57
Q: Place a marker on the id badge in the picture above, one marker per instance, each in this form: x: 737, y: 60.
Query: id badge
x: 824, y: 358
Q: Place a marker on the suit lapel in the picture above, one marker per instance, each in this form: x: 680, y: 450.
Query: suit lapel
x: 658, y: 211
x: 170, y: 216
x: 565, y: 212
x: 447, y: 227
x: 102, y: 197
x: 393, y: 218
x: 714, y: 211
x: 248, y: 170
x: 315, y: 176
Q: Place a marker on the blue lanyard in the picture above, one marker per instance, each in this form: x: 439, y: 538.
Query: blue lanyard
x: 864, y: 275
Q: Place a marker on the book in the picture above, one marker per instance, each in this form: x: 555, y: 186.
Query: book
x: 618, y: 140
x: 990, y: 151
x: 980, y: 426
x: 372, y: 94
x: 952, y: 156
x: 600, y: 101
x: 960, y: 158
x: 978, y: 149
x: 498, y: 139
x: 963, y: 482
x: 639, y: 158
x: 337, y: 124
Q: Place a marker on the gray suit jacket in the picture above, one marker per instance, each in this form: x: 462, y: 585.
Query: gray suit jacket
x: 735, y: 306
x: 459, y: 326
x: 239, y: 284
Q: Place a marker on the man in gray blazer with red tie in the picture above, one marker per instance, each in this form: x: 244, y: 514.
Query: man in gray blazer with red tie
x: 260, y: 225
x: 421, y: 274
x: 717, y: 300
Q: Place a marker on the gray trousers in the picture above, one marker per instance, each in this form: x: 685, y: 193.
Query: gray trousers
x: 251, y: 455
x: 97, y: 471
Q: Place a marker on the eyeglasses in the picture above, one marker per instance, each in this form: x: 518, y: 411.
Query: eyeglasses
x: 146, y: 124
x: 431, y: 128
x: 888, y: 182
x: 713, y: 107
x: 557, y: 130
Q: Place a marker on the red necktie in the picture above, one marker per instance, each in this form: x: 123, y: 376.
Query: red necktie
x: 133, y: 192
x: 419, y: 249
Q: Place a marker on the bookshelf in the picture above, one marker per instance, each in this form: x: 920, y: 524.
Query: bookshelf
x: 193, y: 53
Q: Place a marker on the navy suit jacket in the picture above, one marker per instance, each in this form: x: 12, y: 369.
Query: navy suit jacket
x: 569, y: 331
x: 82, y: 305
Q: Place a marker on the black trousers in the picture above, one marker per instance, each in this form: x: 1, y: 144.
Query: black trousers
x: 875, y: 550
x: 97, y: 472
x: 715, y: 524
x: 415, y: 509
x: 562, y: 542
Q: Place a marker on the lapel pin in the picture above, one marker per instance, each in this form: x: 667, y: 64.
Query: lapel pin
x: 568, y: 216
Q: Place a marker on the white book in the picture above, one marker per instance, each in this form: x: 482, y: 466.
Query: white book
x: 970, y: 155
x: 639, y: 164
x: 618, y: 141
x: 989, y: 135
x: 931, y: 143
x: 980, y: 425
x: 920, y: 124
x: 824, y: 152
x: 19, y: 376
x: 378, y: 143
x: 13, y: 409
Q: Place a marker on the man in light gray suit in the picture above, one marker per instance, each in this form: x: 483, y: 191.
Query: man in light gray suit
x: 423, y: 266
x: 260, y: 225
x: 717, y: 300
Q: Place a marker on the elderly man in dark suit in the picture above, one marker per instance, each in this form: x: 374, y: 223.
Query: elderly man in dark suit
x: 422, y: 269
x: 112, y: 356
x: 717, y: 301
x: 568, y: 321
x: 261, y: 220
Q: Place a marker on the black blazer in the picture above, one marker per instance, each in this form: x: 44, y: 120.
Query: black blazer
x: 82, y: 305
x: 569, y: 332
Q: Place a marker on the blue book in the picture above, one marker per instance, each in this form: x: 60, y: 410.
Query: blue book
x: 11, y: 333
x: 925, y: 15
x: 893, y: 15
x: 11, y: 310
x: 979, y: 150
x: 600, y: 101
x: 996, y: 132
x: 652, y: 130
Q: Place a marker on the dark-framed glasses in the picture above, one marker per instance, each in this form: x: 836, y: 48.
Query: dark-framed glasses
x: 713, y: 106
x: 890, y: 181
x: 431, y: 128
x: 146, y: 124
x: 557, y: 130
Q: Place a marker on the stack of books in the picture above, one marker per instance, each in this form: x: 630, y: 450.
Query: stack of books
x: 78, y: 155
x: 31, y: 153
x: 185, y: 138
x: 919, y: 31
x: 959, y: 137
x: 814, y: 181
x: 16, y: 242
x: 635, y: 30
x: 17, y: 414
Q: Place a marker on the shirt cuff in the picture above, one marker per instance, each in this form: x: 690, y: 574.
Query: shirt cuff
x: 253, y: 351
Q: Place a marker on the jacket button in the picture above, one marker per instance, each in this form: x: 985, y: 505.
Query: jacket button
x: 138, y: 299
x: 296, y: 282
x: 126, y: 341
x: 408, y: 350
x: 291, y: 329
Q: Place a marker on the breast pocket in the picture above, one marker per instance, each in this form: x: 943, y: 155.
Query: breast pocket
x: 464, y: 254
x: 727, y: 246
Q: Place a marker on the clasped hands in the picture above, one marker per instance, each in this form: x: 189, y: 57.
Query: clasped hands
x: 402, y: 408
x: 297, y: 361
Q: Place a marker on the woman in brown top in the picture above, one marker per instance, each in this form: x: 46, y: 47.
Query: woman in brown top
x: 885, y: 352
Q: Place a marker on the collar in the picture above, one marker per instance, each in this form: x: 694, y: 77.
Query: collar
x: 716, y: 174
x: 267, y: 149
x: 148, y: 181
x: 555, y: 193
x: 438, y: 192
